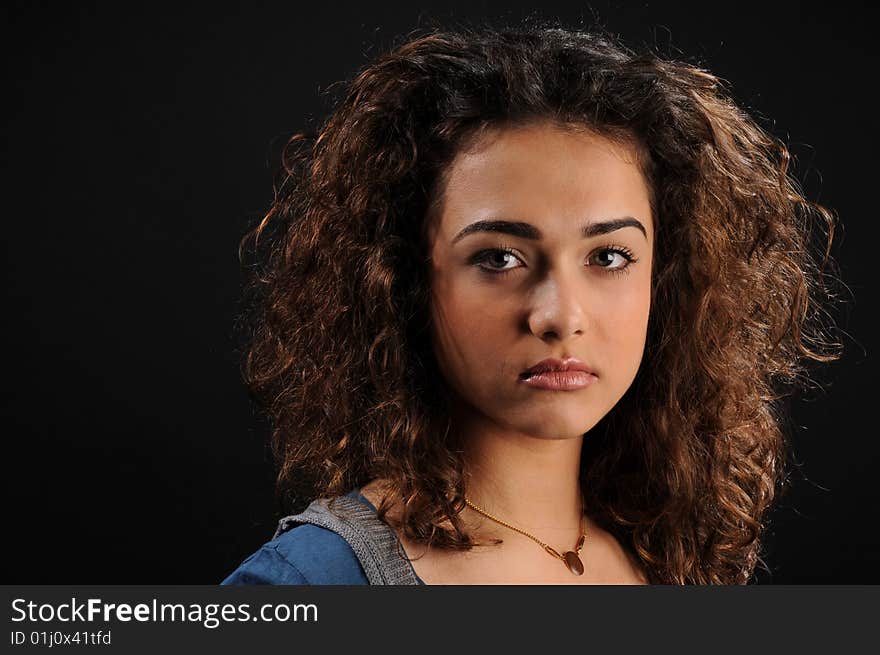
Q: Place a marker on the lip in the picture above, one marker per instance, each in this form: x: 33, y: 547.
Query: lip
x: 554, y: 374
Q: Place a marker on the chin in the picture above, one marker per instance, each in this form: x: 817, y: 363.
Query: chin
x: 557, y: 429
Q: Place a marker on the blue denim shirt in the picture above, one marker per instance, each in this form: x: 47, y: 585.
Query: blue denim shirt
x: 306, y: 555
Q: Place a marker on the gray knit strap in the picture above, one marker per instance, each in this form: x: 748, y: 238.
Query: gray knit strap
x: 374, y: 542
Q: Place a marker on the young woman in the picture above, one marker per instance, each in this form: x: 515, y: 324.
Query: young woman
x: 528, y: 304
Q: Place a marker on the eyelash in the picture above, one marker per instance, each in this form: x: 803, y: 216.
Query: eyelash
x: 483, y: 255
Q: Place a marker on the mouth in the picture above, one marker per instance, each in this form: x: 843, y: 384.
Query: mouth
x: 559, y: 375
x: 553, y: 365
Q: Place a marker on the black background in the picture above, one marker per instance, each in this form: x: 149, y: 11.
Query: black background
x: 139, y: 145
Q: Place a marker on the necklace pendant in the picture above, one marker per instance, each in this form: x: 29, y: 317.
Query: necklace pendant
x: 573, y: 562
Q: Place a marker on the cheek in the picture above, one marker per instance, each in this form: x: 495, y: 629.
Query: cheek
x: 469, y: 331
x: 625, y: 322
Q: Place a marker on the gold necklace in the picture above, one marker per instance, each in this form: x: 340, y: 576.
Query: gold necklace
x: 569, y: 557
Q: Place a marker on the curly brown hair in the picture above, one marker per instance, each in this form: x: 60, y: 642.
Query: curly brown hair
x: 685, y: 467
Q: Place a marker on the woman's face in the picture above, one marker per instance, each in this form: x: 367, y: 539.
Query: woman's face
x: 523, y: 269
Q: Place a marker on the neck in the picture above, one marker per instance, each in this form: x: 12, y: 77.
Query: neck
x: 531, y: 482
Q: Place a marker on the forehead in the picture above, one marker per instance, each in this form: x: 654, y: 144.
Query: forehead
x: 546, y: 175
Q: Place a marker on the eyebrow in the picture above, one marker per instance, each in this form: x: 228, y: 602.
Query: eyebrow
x: 529, y: 231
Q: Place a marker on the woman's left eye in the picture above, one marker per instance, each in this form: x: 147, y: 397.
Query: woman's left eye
x: 624, y: 255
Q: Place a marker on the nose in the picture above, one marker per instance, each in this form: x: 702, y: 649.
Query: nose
x: 557, y: 310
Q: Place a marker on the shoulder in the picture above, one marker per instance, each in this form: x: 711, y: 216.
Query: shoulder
x: 305, y: 555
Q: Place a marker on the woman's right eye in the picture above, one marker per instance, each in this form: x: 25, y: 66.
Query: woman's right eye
x: 496, y: 260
